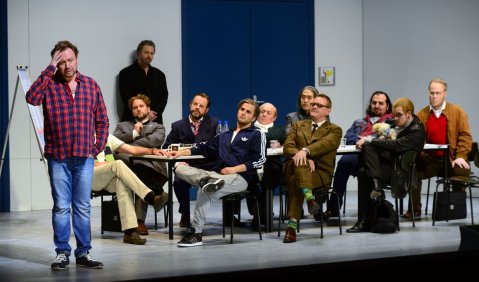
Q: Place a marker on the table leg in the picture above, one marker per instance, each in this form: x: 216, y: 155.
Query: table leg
x: 268, y: 196
x: 170, y: 199
x: 269, y: 209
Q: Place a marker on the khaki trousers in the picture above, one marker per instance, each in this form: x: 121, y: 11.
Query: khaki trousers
x: 116, y: 177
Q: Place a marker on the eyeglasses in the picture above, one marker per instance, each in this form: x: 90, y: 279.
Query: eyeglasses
x: 318, y: 105
x: 398, y: 115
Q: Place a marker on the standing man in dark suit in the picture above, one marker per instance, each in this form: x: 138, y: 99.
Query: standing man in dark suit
x: 197, y: 127
x: 145, y: 133
x: 310, y: 149
x: 142, y: 77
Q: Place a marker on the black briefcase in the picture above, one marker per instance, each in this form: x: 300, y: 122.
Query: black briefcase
x: 110, y: 216
x: 452, y: 203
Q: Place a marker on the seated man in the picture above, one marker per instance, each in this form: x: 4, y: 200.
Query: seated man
x: 274, y: 167
x: 379, y: 110
x: 197, y: 127
x: 239, y: 153
x: 116, y: 177
x: 310, y: 149
x: 377, y: 157
x: 146, y: 133
x: 305, y: 97
x: 446, y: 123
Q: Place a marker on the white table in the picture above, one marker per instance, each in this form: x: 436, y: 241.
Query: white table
x: 171, y: 163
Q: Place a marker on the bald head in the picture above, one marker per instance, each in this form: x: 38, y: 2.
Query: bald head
x: 267, y: 114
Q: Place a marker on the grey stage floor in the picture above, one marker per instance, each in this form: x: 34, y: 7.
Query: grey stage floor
x: 26, y: 247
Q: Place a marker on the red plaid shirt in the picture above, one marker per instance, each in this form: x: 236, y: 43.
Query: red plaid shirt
x: 70, y: 124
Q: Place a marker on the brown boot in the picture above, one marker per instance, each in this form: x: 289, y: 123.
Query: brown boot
x: 141, y: 229
x: 408, y: 214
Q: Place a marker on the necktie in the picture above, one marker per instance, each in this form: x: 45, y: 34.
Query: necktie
x: 315, y: 126
x: 196, y: 126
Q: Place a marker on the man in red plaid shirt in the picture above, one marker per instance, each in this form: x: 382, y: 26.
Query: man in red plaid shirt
x: 74, y: 112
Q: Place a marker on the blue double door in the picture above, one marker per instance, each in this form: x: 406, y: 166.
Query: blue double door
x: 235, y: 49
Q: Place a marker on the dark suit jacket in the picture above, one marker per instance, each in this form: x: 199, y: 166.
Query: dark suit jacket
x: 181, y: 133
x: 151, y: 136
x: 134, y: 80
x: 276, y: 133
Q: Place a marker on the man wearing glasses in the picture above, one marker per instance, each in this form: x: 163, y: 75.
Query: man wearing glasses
x: 377, y: 156
x: 310, y: 149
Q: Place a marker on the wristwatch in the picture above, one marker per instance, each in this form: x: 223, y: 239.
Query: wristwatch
x: 306, y: 150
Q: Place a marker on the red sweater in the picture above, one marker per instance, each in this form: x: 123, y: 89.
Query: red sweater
x: 436, y: 132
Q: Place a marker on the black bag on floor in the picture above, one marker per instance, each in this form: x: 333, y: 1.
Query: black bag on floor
x: 383, y: 217
x: 110, y: 215
x: 452, y: 202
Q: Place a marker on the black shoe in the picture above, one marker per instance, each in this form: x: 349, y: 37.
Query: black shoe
x: 61, y: 261
x: 254, y: 224
x: 88, y: 261
x: 160, y: 201
x: 255, y: 220
x: 359, y: 227
x: 377, y: 193
x: 313, y: 207
x: 209, y: 185
x: 327, y: 215
x: 191, y: 240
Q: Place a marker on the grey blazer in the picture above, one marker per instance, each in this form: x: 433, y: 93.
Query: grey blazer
x: 151, y: 136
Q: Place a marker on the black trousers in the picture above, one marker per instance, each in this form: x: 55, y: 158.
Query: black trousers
x: 374, y: 163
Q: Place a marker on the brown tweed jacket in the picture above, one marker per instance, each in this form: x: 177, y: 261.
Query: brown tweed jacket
x: 322, y: 145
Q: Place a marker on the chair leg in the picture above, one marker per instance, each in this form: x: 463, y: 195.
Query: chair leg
x: 259, y: 218
x: 397, y: 213
x: 434, y: 210
x: 279, y: 225
x: 339, y: 214
x: 156, y: 220
x: 165, y: 215
x: 470, y: 202
x: 321, y: 213
x: 101, y: 221
x: 427, y: 194
x: 401, y: 206
x: 223, y: 211
x: 412, y: 209
x: 232, y: 220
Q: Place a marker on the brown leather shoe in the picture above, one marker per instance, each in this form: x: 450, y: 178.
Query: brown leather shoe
x: 408, y: 214
x: 290, y: 236
x: 141, y: 229
x: 313, y: 207
x: 134, y: 239
x: 184, y: 220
